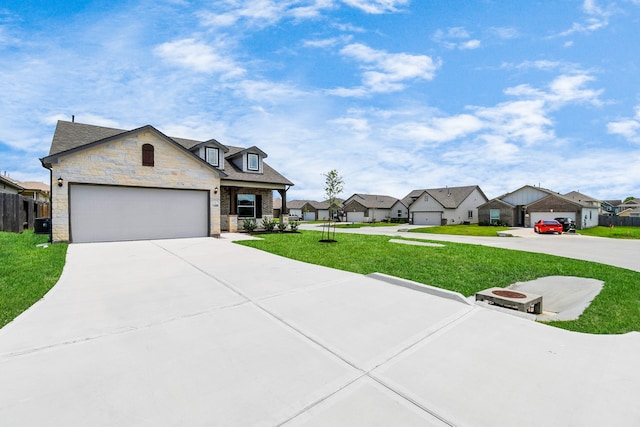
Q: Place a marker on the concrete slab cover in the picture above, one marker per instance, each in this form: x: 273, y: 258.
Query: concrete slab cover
x: 205, y: 332
x: 565, y: 297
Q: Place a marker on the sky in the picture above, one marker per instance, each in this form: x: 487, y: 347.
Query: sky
x: 395, y: 95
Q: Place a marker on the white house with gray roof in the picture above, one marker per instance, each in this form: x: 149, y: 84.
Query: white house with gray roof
x: 448, y: 205
x: 368, y: 207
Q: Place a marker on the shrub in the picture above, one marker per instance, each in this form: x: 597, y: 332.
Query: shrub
x: 282, y: 226
x: 268, y: 224
x: 249, y: 224
x: 294, y: 225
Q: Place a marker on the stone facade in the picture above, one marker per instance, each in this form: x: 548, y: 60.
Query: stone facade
x: 507, y: 213
x: 225, y: 204
x: 119, y: 162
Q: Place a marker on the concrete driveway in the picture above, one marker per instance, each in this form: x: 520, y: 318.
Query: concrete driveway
x: 206, y: 332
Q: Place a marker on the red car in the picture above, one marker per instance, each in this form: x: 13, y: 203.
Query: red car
x: 547, y: 226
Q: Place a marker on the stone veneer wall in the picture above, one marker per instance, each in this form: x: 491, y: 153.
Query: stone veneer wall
x: 119, y: 162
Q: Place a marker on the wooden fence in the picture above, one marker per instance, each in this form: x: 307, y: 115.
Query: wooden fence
x: 18, y: 213
x: 621, y: 221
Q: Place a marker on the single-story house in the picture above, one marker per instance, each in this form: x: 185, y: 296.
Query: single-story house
x: 400, y: 211
x: 308, y: 210
x: 9, y: 186
x: 448, y: 205
x: 113, y: 184
x: 529, y: 204
x: 368, y: 207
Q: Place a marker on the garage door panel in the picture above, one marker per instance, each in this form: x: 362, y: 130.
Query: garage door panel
x: 427, y: 218
x: 537, y: 216
x: 355, y: 216
x: 111, y: 213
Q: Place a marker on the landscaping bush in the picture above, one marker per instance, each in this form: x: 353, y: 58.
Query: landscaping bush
x: 268, y: 224
x: 249, y: 225
x: 294, y: 225
x: 282, y: 226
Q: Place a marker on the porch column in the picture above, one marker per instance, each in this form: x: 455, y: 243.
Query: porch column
x: 283, y: 208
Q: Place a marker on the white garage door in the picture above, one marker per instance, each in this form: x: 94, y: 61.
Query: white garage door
x: 537, y: 216
x: 355, y: 216
x: 427, y: 218
x: 102, y: 213
x: 309, y: 216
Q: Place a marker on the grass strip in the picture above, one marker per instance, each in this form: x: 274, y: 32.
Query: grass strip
x: 27, y: 272
x: 468, y: 269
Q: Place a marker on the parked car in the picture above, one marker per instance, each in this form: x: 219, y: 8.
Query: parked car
x: 566, y: 223
x: 547, y: 226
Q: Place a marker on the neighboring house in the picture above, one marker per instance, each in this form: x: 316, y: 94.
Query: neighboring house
x: 400, y: 211
x: 368, y: 207
x: 9, y: 186
x: 40, y: 193
x: 113, y: 184
x: 610, y: 207
x: 529, y: 204
x: 448, y: 205
x: 308, y: 210
x: 21, y: 203
x: 630, y: 212
x: 629, y: 204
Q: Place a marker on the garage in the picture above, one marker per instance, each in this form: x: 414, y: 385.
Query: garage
x: 104, y: 213
x: 355, y: 216
x: 309, y: 216
x: 426, y: 218
x: 537, y: 216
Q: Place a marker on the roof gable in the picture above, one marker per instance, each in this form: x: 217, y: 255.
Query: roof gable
x: 64, y: 127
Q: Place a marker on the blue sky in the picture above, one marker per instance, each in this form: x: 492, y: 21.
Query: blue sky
x: 394, y: 94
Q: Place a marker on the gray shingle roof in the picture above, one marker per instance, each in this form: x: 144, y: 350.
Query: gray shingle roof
x: 448, y: 197
x: 374, y: 201
x: 72, y: 135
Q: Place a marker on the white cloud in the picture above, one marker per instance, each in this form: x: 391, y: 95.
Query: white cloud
x: 438, y: 129
x: 376, y: 6
x: 387, y: 72
x: 328, y: 42
x: 596, y: 19
x: 197, y: 56
x: 456, y: 38
x: 470, y: 44
x: 505, y: 33
x: 564, y: 89
x: 627, y: 127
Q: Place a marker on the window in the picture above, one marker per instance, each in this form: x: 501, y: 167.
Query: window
x: 494, y: 215
x: 212, y: 156
x: 252, y: 160
x: 147, y: 155
x: 399, y: 213
x: 246, y: 206
x: 470, y: 214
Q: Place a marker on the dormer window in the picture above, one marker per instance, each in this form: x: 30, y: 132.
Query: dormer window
x: 253, y: 162
x: 212, y: 156
x: 147, y: 155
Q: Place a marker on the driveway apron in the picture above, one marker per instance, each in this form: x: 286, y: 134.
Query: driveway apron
x: 207, y: 332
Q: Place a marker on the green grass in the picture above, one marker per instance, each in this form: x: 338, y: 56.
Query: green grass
x: 26, y: 271
x: 468, y: 269
x: 614, y: 233
x: 462, y: 230
x: 366, y: 224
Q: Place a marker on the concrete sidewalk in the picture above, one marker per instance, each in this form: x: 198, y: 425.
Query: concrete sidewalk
x: 206, y: 332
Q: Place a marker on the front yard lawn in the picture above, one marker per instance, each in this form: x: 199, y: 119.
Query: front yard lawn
x: 462, y: 230
x: 467, y: 269
x: 26, y: 271
x: 615, y: 232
